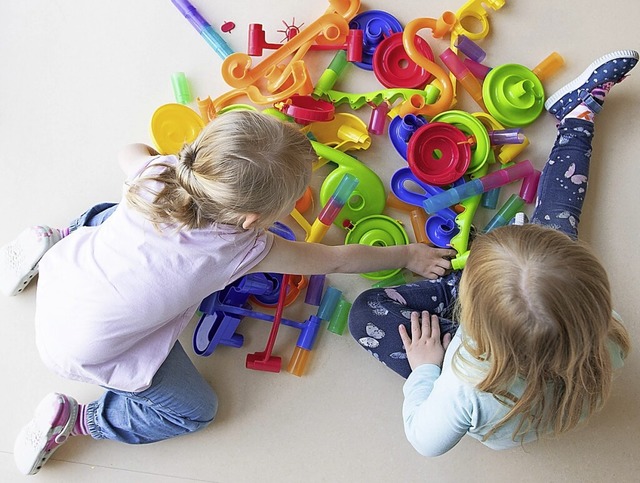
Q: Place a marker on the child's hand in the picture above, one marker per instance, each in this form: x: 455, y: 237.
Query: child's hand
x: 424, y: 346
x: 428, y: 261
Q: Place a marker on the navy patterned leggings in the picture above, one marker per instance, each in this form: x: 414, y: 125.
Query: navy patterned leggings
x: 376, y: 313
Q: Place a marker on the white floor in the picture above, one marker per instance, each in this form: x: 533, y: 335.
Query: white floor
x: 81, y: 79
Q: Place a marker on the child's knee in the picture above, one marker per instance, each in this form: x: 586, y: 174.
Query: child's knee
x: 208, y: 408
x: 360, y: 311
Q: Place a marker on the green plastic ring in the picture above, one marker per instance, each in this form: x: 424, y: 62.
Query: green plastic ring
x: 513, y: 94
x: 378, y: 230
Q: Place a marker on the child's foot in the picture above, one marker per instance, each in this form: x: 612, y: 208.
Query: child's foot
x: 590, y: 87
x: 19, y: 258
x: 50, y: 427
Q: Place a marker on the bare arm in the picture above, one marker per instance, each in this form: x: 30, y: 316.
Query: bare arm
x: 133, y: 156
x: 315, y: 258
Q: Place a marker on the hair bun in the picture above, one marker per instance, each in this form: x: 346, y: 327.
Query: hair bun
x: 187, y: 156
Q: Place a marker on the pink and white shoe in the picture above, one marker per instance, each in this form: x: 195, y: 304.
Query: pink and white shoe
x: 49, y: 429
x: 19, y: 258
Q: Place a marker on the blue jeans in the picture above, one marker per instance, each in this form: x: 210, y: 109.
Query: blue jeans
x: 178, y: 401
x: 376, y: 313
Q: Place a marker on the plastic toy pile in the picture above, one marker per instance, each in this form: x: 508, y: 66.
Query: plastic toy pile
x: 456, y: 161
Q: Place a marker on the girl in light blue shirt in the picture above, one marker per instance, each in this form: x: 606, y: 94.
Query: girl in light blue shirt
x: 529, y: 337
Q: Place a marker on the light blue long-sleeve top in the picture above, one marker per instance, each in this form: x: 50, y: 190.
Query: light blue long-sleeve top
x: 440, y: 407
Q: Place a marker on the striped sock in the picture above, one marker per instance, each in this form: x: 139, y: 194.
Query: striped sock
x: 80, y: 427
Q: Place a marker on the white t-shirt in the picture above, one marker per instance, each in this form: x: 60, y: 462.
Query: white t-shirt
x: 113, y: 299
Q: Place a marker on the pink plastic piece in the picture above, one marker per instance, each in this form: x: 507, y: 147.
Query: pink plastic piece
x: 464, y: 76
x: 306, y: 109
x: 394, y: 68
x: 504, y: 176
x: 227, y: 27
x: 257, y: 42
x: 478, y: 70
x: 453, y: 63
x: 529, y: 187
x: 378, y: 118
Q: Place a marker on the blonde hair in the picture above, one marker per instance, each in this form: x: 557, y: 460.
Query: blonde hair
x: 536, y: 305
x: 242, y: 162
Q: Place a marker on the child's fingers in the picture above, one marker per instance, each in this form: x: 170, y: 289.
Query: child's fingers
x: 415, y: 326
x: 426, y: 325
x: 446, y: 340
x: 435, y: 327
x: 404, y: 335
x: 446, y: 252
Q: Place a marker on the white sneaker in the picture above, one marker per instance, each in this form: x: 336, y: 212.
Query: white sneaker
x: 19, y: 258
x: 49, y: 429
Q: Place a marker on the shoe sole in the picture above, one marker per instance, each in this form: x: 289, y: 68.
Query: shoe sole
x: 24, y: 281
x: 584, y: 77
x: 44, y: 454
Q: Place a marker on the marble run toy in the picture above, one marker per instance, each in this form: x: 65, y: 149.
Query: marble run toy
x: 514, y: 94
x: 345, y: 132
x: 440, y: 227
x: 439, y: 153
x: 464, y: 76
x: 469, y: 48
x: 475, y: 10
x: 449, y: 152
x: 401, y: 129
x: 378, y: 118
x: 503, y: 153
x: 180, y: 86
x: 343, y: 191
x: 306, y: 109
x: 203, y: 28
x: 282, y: 81
x: 257, y: 43
x: 472, y: 127
x: 477, y: 186
x: 439, y: 27
x: 264, y: 360
x: 369, y: 193
x: 237, y: 70
x: 222, y: 312
x: 393, y: 67
x: 173, y: 125
x: 377, y: 230
x: 222, y: 309
x: 376, y: 25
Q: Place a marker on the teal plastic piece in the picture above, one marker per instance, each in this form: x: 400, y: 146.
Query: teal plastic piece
x: 329, y: 303
x: 340, y: 317
x: 505, y: 214
x: 367, y: 199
